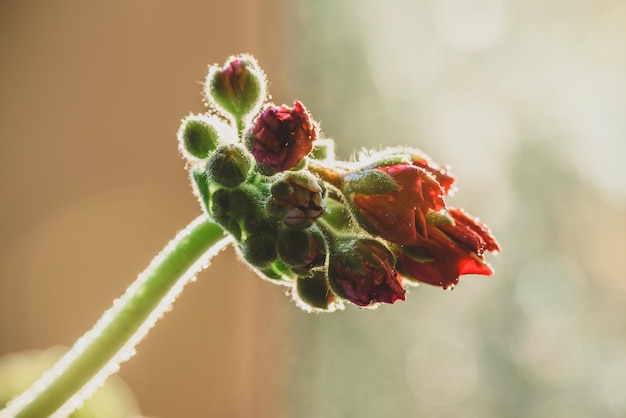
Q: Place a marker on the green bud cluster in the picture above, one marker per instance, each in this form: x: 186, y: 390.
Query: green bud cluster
x: 280, y: 246
x: 286, y: 223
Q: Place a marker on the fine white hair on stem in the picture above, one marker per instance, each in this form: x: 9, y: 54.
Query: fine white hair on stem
x: 128, y: 349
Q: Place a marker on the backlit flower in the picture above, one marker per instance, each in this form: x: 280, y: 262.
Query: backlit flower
x: 400, y: 215
x: 450, y: 250
x: 442, y: 174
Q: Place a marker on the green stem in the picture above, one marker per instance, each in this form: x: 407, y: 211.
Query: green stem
x: 112, y: 340
x: 241, y: 126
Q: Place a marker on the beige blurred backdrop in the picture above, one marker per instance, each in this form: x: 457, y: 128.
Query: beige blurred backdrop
x: 92, y: 186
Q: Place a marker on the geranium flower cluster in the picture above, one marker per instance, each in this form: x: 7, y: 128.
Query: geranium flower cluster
x: 331, y: 231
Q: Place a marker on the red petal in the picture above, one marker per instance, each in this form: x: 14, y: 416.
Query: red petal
x: 399, y: 216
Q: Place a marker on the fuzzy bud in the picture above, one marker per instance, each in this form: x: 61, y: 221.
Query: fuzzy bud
x: 302, y: 250
x: 237, y: 88
x: 281, y: 137
x: 197, y: 137
x: 313, y: 294
x: 299, y: 197
x: 229, y: 166
x: 362, y: 271
x: 239, y: 210
x: 260, y: 249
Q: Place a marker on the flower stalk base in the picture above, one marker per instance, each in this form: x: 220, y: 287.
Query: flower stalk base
x: 98, y: 353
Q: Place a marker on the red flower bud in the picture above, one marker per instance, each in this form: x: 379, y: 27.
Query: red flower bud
x: 451, y: 249
x: 400, y: 215
x: 281, y: 137
x: 362, y: 271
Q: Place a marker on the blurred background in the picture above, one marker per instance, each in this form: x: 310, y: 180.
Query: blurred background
x: 526, y: 100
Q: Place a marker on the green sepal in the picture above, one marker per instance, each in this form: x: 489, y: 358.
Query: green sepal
x: 417, y: 154
x: 278, y: 273
x: 337, y: 214
x: 439, y: 218
x: 271, y: 273
x: 384, y: 160
x: 346, y: 251
x: 241, y: 105
x: 370, y: 182
x: 283, y: 268
x: 239, y: 211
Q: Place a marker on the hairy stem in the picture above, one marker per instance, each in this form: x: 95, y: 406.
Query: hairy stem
x: 98, y: 353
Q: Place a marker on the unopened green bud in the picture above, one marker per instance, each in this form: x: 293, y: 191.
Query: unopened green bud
x: 197, y: 137
x: 302, y: 250
x: 237, y: 88
x: 221, y: 210
x: 260, y: 249
x: 229, y: 165
x: 239, y: 211
x: 313, y: 294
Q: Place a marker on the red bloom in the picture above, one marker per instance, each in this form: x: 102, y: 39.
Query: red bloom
x: 362, y: 272
x: 400, y: 215
x: 281, y: 137
x: 449, y: 251
x: 442, y: 174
